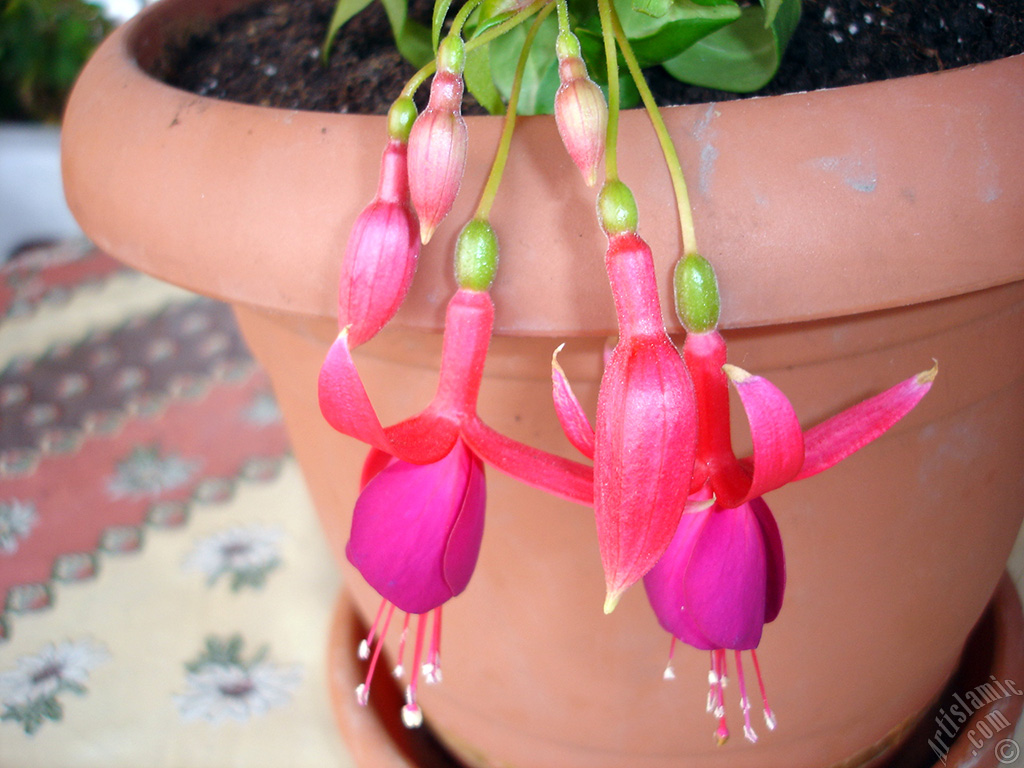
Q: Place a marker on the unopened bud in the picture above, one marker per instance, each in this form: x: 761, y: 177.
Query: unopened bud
x: 451, y: 55
x: 581, y: 114
x: 581, y: 111
x: 476, y: 256
x: 616, y: 209
x: 437, y: 152
x: 696, y: 289
x: 380, y: 256
x: 401, y: 117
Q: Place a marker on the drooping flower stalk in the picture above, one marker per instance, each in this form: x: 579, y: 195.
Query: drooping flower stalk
x: 643, y: 445
x: 723, y: 576
x: 418, y: 522
x: 685, y: 212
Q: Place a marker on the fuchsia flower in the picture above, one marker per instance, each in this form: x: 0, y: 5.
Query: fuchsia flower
x: 416, y: 533
x: 417, y: 525
x: 581, y: 112
x: 644, y: 443
x: 723, y: 575
x: 438, y: 142
x: 380, y: 257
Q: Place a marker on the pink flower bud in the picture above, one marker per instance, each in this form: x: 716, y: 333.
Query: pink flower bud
x: 437, y: 152
x: 581, y: 114
x: 380, y: 257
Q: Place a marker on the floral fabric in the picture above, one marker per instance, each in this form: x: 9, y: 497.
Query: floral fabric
x: 165, y: 592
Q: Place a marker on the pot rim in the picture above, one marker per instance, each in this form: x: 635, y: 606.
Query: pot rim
x: 133, y: 145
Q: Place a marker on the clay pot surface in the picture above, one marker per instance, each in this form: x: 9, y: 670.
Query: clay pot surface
x: 847, y: 261
x: 800, y: 222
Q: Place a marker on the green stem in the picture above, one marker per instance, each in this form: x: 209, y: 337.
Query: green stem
x: 498, y: 30
x: 462, y: 16
x: 483, y: 209
x: 483, y: 39
x: 668, y: 149
x: 563, y: 15
x: 611, y: 160
x: 417, y: 80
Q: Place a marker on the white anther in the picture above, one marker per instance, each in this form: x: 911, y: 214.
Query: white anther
x: 362, y: 694
x: 412, y: 717
x: 364, y: 650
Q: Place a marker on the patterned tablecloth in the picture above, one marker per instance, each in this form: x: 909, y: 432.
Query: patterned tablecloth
x: 165, y: 591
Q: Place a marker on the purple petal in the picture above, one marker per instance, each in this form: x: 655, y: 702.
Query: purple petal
x: 775, y: 584
x: 467, y: 529
x: 664, y: 582
x: 724, y: 584
x: 416, y: 529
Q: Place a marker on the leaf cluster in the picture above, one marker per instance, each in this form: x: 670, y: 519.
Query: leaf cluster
x: 43, y: 46
x: 724, y: 44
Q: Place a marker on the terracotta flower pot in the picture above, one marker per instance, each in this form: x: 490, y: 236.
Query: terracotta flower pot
x: 858, y: 233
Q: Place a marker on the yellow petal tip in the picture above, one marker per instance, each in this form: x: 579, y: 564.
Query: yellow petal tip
x: 736, y: 375
x: 610, y: 601
x: 927, y: 377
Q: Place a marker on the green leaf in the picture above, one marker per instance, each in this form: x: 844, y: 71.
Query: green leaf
x: 411, y: 38
x: 540, y: 78
x: 480, y: 81
x: 654, y: 8
x: 343, y: 11
x: 771, y: 10
x: 742, y: 57
x: 437, y: 22
x: 656, y: 40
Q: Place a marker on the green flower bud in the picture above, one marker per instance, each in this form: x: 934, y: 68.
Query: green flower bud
x: 451, y: 55
x: 616, y: 209
x: 476, y: 256
x: 696, y: 288
x: 401, y: 116
x: 567, y: 45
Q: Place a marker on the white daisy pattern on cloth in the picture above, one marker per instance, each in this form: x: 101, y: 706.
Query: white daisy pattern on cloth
x: 245, y: 553
x: 17, y: 519
x: 144, y: 472
x: 221, y: 685
x: 28, y: 693
x: 262, y: 411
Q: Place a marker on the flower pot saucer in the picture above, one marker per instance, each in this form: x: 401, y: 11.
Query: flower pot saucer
x: 993, y: 657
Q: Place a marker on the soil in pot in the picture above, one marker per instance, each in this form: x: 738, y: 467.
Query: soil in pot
x: 267, y: 54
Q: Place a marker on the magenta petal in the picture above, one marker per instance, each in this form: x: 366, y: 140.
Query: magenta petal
x: 643, y: 458
x: 836, y: 438
x: 571, y: 415
x: 343, y: 400
x: 554, y: 474
x: 776, y: 435
x: 664, y: 582
x: 468, y: 529
x: 416, y: 529
x: 775, y: 571
x: 376, y: 462
x: 725, y: 580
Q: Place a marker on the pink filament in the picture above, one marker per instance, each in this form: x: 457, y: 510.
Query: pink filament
x: 769, y: 716
x: 364, y: 694
x: 748, y: 729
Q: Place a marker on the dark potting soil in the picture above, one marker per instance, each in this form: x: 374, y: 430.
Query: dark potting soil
x: 269, y: 52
